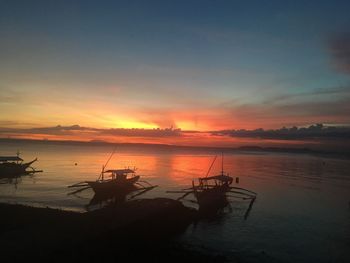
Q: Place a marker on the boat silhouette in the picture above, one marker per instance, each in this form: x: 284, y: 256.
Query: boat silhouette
x: 212, y: 192
x: 13, y: 166
x: 118, y: 181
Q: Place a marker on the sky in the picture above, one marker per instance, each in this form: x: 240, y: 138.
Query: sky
x: 194, y: 65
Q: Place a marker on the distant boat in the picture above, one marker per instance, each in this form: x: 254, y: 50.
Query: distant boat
x: 12, y: 166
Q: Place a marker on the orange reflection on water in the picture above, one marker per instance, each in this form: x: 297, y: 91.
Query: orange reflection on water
x: 185, y: 168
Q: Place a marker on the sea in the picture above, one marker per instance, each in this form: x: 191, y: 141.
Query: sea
x: 301, y: 214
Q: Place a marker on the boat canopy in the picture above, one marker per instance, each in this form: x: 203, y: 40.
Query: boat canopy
x: 223, y: 178
x: 120, y: 171
x: 10, y: 158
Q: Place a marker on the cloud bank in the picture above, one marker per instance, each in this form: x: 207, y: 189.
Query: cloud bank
x: 294, y: 133
x: 317, y: 131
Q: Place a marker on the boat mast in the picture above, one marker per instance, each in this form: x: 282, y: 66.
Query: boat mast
x: 103, y: 167
x: 211, y: 166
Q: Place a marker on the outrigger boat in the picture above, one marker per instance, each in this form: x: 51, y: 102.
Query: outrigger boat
x: 117, y: 197
x: 13, y: 166
x: 121, y: 181
x: 211, y: 192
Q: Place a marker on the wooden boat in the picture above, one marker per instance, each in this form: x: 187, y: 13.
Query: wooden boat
x: 211, y: 192
x: 210, y: 196
x: 121, y: 181
x: 12, y: 166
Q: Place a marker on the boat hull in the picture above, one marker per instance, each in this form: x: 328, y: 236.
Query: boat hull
x: 12, y: 170
x: 213, y: 198
x: 114, y: 185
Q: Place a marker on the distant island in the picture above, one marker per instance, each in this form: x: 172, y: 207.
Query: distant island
x: 180, y: 148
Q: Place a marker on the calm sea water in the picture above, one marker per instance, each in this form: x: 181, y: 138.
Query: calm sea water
x: 302, y: 213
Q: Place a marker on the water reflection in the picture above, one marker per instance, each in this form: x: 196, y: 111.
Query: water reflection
x: 264, y: 173
x: 186, y: 167
x: 216, y: 209
x: 116, y: 198
x: 103, y: 199
x: 15, y: 180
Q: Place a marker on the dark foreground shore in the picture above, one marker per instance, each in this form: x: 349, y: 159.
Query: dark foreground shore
x: 136, y: 230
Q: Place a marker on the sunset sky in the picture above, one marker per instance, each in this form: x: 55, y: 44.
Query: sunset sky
x: 194, y: 65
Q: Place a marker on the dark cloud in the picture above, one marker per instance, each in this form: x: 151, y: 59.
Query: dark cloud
x: 76, y: 129
x: 340, y: 49
x: 317, y: 131
x: 143, y: 132
x: 313, y: 131
x: 341, y: 91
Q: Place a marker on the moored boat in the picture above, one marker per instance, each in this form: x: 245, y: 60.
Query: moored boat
x: 12, y: 166
x: 121, y: 180
x: 211, y: 192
